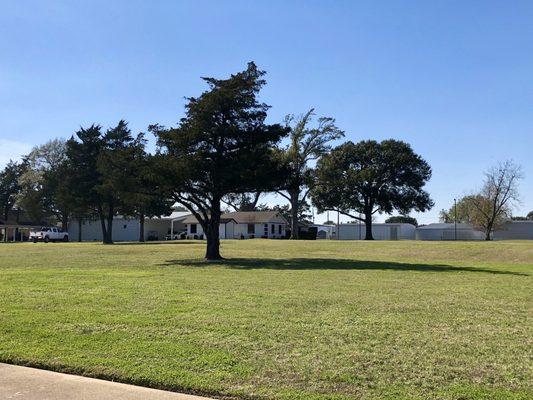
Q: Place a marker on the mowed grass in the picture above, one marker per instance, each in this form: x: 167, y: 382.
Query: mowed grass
x: 277, y: 319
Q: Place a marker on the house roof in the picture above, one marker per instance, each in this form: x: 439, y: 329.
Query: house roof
x: 174, y: 215
x: 20, y: 218
x: 442, y: 225
x: 247, y: 217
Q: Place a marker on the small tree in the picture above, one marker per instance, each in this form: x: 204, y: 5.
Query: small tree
x: 306, y: 145
x: 529, y: 216
x: 222, y: 146
x: 371, y: 177
x: 493, y: 204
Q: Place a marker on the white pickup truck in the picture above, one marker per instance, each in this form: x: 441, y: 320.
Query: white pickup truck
x: 49, y: 234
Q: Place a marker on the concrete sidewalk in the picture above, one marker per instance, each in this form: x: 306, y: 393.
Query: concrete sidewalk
x: 36, y: 384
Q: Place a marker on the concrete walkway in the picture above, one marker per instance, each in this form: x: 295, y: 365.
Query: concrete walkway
x: 36, y: 384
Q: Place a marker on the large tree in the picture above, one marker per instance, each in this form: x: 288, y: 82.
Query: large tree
x: 222, y: 146
x: 370, y: 177
x: 119, y: 169
x: 9, y: 187
x: 83, y: 151
x: 143, y: 194
x: 43, y: 194
x: 307, y: 144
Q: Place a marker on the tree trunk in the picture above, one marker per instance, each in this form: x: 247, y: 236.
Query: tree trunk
x: 212, y: 235
x: 295, y: 234
x: 64, y: 222
x: 368, y: 225
x: 102, y: 223
x: 109, y: 237
x: 79, y: 229
x: 141, y: 227
x: 487, y: 233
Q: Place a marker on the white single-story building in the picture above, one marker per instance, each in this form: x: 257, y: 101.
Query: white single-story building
x: 128, y: 229
x: 380, y: 231
x: 243, y: 225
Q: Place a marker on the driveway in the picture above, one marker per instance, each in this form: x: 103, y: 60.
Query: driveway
x: 23, y: 383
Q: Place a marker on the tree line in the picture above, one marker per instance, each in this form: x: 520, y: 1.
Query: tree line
x: 222, y: 153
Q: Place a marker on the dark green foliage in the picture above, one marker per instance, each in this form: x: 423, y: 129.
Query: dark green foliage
x: 371, y: 177
x: 9, y: 187
x: 107, y: 168
x: 402, y: 219
x: 222, y: 146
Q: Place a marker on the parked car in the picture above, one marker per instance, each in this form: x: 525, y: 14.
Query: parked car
x: 176, y: 236
x: 49, y: 234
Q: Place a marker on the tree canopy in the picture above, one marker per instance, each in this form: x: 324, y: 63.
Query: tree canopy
x: 402, y: 219
x: 222, y: 146
x: 370, y: 177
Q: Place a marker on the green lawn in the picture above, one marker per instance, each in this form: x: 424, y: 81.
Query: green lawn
x: 279, y: 319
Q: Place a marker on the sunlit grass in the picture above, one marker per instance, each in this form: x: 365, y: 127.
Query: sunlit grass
x: 277, y: 319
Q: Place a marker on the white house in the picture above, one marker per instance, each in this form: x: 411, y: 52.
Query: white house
x: 385, y: 231
x: 127, y: 229
x: 243, y: 225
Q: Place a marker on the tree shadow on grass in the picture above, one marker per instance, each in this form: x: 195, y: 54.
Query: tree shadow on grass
x: 159, y: 242
x: 332, y: 264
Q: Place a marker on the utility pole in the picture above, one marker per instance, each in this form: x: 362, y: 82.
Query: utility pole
x: 455, y: 217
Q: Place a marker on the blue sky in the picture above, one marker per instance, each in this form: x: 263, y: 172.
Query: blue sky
x: 453, y: 78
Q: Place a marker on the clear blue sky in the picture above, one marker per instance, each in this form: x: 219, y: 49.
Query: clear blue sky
x: 453, y: 78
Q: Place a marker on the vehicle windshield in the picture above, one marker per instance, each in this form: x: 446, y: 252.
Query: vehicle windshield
x: 44, y: 229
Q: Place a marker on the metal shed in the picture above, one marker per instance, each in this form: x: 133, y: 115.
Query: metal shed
x: 444, y: 231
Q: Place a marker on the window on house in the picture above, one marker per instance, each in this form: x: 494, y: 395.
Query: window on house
x: 265, y: 229
x: 251, y: 229
x: 272, y: 228
x: 279, y: 229
x: 193, y: 228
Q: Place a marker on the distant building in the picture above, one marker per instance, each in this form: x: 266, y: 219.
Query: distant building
x: 515, y: 230
x: 243, y: 224
x: 17, y: 226
x: 445, y: 231
x: 384, y: 231
x: 512, y: 230
x: 127, y: 229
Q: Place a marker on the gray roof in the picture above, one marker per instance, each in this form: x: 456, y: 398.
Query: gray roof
x: 446, y: 226
x: 247, y: 217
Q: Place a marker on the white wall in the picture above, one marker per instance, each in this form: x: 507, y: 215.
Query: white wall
x: 379, y: 231
x: 123, y: 230
x: 515, y: 230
